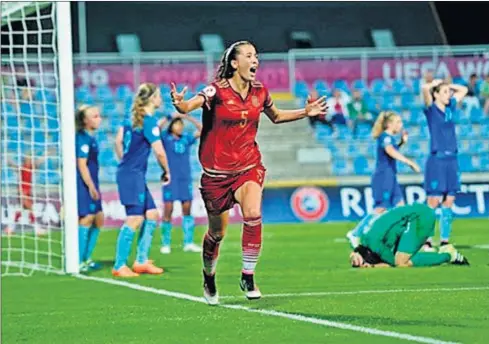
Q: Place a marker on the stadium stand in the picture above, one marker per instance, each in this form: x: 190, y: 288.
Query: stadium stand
x: 350, y: 155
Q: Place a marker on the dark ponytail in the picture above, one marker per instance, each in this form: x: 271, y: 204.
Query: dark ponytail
x: 225, y: 70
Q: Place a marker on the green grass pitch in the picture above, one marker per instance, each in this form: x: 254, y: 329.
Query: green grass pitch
x: 296, y: 260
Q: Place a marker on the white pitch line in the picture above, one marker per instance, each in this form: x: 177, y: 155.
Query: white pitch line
x: 357, y: 292
x: 290, y: 316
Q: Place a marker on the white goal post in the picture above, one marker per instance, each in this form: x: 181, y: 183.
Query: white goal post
x: 38, y: 185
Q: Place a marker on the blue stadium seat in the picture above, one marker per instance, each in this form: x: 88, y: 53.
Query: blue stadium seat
x: 398, y: 85
x: 301, y: 89
x: 416, y: 86
x: 123, y: 92
x: 484, y: 162
x: 165, y: 89
x: 407, y: 99
x: 371, y: 104
x: 416, y: 117
x: 45, y: 96
x: 465, y: 163
x: 12, y: 121
x: 103, y: 93
x: 341, y: 84
x: 414, y: 149
x: 479, y: 146
x: 344, y: 132
x: 360, y: 165
x: 40, y: 137
x: 320, y: 85
x: 359, y: 84
x: 464, y: 130
x: 477, y: 115
x: 378, y: 86
x: 84, y: 95
x: 363, y: 131
x: 52, y: 123
x: 199, y: 87
x: 459, y: 80
x: 340, y: 167
x: 109, y: 106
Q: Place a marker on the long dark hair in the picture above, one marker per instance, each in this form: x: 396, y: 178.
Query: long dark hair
x: 172, y: 123
x: 225, y: 70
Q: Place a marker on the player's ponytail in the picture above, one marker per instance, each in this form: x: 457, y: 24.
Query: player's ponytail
x: 80, y: 114
x: 381, y: 122
x: 141, y: 100
x: 225, y: 69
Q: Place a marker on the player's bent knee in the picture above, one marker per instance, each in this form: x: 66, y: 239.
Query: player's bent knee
x: 152, y: 215
x: 433, y: 202
x: 135, y: 222
x: 87, y: 221
x: 448, y: 202
x: 252, y: 212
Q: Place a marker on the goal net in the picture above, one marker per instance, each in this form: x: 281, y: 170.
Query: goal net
x: 37, y: 140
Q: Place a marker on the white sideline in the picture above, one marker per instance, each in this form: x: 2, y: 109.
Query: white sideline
x: 355, y: 292
x: 267, y: 312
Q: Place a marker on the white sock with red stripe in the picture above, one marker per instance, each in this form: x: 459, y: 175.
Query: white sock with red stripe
x: 251, y: 243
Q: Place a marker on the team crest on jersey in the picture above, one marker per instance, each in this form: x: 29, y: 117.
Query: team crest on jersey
x: 156, y: 131
x: 309, y: 203
x: 255, y: 101
x: 387, y: 140
x: 85, y: 148
x: 210, y: 91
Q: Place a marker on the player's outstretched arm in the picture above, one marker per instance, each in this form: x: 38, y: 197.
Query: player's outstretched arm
x: 459, y: 91
x: 118, y: 143
x: 311, y: 109
x: 185, y: 106
x: 393, y: 153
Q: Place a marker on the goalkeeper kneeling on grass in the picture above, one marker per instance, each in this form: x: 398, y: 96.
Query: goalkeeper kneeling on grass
x: 394, y: 239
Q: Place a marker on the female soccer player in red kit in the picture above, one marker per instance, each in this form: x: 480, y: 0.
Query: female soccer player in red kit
x: 231, y: 161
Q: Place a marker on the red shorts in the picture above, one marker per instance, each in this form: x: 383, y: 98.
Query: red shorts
x: 218, y: 191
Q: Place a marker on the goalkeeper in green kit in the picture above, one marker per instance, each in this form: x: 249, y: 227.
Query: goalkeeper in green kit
x: 394, y: 239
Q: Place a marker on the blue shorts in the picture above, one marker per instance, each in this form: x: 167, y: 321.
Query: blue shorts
x: 386, y: 191
x: 178, y: 190
x: 441, y: 177
x: 87, y: 205
x: 146, y: 202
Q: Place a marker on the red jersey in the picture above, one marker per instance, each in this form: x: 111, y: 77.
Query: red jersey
x: 26, y: 176
x: 229, y: 127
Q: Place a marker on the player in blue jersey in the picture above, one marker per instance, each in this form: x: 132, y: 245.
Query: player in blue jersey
x: 442, y: 177
x: 90, y: 214
x: 177, y: 145
x: 139, y: 137
x: 385, y: 187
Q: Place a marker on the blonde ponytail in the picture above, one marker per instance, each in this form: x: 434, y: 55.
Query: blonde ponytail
x: 381, y: 122
x: 142, y: 99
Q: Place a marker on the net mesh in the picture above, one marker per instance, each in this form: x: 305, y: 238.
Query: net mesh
x: 32, y: 238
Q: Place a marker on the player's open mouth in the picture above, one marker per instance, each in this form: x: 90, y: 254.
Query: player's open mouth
x: 253, y: 70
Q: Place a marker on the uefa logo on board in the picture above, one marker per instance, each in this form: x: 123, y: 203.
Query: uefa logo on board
x: 309, y: 203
